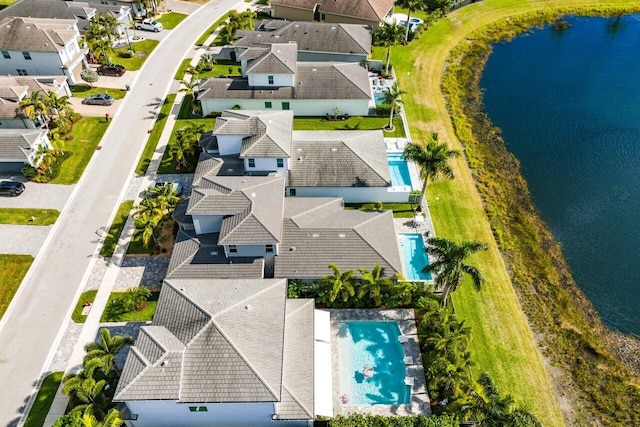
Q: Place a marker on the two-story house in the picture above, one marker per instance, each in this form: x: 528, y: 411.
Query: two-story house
x: 41, y: 47
x: 366, y: 12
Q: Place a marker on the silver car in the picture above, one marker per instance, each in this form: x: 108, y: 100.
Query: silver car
x: 100, y: 99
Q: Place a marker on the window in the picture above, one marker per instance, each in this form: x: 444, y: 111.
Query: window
x: 27, y: 56
x: 252, y: 163
x: 269, y: 249
x: 6, y: 54
x: 270, y: 80
x: 280, y: 163
x: 268, y: 104
x: 286, y: 106
x: 292, y: 192
x: 233, y: 249
x: 22, y: 72
x: 197, y: 408
x: 323, y: 17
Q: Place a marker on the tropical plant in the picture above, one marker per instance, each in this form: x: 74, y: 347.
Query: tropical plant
x: 432, y: 159
x: 57, y: 141
x: 412, y: 6
x: 340, y: 283
x: 185, y: 143
x: 388, y: 35
x: 89, y: 76
x: 34, y: 106
x: 55, y: 104
x: 190, y: 86
x: 87, y: 391
x: 147, y: 227
x: 449, y: 263
x: 107, y: 348
x: 113, y: 418
x: 393, y: 97
x: 44, y: 158
x: 136, y: 298
x: 373, y: 284
x: 164, y: 197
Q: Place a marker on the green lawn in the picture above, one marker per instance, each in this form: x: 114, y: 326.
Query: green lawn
x: 111, y: 315
x: 168, y: 165
x: 12, y: 270
x: 171, y: 20
x: 182, y: 68
x: 44, y: 399
x: 87, y: 296
x: 82, y: 91
x: 86, y: 135
x: 211, y: 29
x: 152, y: 142
x: 400, y: 210
x: 24, y: 216
x: 111, y: 240
x: 353, y: 123
x: 223, y: 67
x: 143, y: 50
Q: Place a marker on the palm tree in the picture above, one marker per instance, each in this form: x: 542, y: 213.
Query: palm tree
x: 412, y: 5
x: 393, y: 97
x: 57, y: 141
x: 340, y: 283
x: 112, y: 419
x: 88, y: 391
x: 432, y: 158
x: 34, y: 106
x: 387, y: 36
x: 191, y: 86
x: 165, y: 197
x: 372, y: 284
x: 55, y: 104
x: 449, y: 265
x: 108, y: 347
x: 44, y: 158
x: 490, y: 408
x: 147, y: 227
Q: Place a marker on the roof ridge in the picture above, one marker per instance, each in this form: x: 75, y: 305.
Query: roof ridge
x: 137, y: 353
x: 186, y: 259
x: 295, y: 398
x: 365, y: 161
x: 373, y: 218
x: 341, y: 25
x: 338, y: 67
x: 329, y: 201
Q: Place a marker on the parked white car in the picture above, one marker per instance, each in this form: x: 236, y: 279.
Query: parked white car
x: 149, y: 25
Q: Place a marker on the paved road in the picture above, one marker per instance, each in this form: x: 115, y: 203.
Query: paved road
x: 31, y: 327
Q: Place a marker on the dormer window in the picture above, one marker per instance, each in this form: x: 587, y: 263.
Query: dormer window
x: 270, y: 80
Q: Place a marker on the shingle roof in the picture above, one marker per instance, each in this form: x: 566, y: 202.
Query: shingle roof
x: 313, y: 80
x: 268, y: 133
x: 319, y: 231
x: 310, y: 36
x: 338, y: 159
x: 16, y: 144
x: 208, y: 166
x: 276, y: 58
x: 200, y: 257
x: 36, y: 34
x: 253, y: 204
x: 51, y: 9
x: 15, y: 88
x: 229, y: 341
x: 372, y: 10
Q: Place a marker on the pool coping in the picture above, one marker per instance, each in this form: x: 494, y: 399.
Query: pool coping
x: 405, y: 318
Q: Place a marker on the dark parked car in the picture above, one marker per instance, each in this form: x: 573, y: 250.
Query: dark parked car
x: 111, y: 70
x: 100, y: 99
x: 11, y: 188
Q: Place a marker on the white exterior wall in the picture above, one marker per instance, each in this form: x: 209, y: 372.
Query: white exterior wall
x: 16, y: 124
x: 355, y: 194
x: 250, y: 250
x: 159, y: 413
x: 204, y: 224
x: 40, y: 64
x: 267, y: 165
x: 44, y: 140
x: 229, y: 145
x: 300, y: 107
x: 278, y: 80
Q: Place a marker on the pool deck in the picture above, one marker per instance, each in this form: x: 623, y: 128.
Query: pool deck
x: 405, y: 318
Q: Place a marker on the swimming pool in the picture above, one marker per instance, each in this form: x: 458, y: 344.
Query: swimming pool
x: 414, y: 257
x: 379, y: 98
x: 372, y: 367
x: 399, y: 170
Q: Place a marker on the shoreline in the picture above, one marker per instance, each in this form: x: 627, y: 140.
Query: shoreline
x: 558, y: 312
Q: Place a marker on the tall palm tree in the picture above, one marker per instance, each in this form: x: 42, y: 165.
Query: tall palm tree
x: 54, y: 103
x: 88, y: 391
x: 340, y: 283
x: 34, y: 106
x: 108, y: 347
x: 372, y: 284
x: 393, y: 97
x: 432, y: 159
x: 112, y: 419
x: 449, y: 265
x: 190, y: 86
x: 387, y: 36
x: 165, y: 197
x: 147, y: 227
x: 412, y: 5
x: 57, y: 141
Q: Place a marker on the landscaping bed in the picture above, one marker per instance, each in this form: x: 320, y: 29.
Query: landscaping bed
x: 85, y: 299
x: 400, y: 210
x: 352, y: 123
x: 145, y: 313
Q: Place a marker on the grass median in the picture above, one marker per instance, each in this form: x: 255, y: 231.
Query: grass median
x: 152, y: 142
x: 111, y: 239
x: 21, y: 216
x: 85, y: 297
x: 44, y: 399
x: 171, y: 20
x: 13, y: 268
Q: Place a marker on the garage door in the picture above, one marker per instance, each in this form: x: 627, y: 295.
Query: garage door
x: 11, y: 167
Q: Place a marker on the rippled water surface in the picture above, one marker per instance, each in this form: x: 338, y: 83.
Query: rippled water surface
x: 568, y: 103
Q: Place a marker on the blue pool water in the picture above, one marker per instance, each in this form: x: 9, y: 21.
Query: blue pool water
x: 414, y: 256
x: 374, y: 345
x: 378, y: 97
x: 399, y: 170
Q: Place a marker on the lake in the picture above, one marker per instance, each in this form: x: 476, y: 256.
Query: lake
x: 568, y: 103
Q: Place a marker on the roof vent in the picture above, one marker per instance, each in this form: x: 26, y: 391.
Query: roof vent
x: 292, y: 249
x: 334, y: 149
x: 247, y: 307
x: 299, y: 159
x: 333, y: 28
x: 214, y: 253
x: 315, y: 235
x: 314, y: 69
x: 342, y: 235
x: 296, y: 25
x: 253, y: 195
x: 183, y: 289
x: 164, y: 363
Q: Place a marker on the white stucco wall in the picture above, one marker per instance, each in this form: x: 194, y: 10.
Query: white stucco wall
x: 229, y: 145
x: 41, y: 63
x: 267, y: 165
x: 204, y: 224
x: 263, y: 79
x: 249, y: 250
x: 300, y: 107
x: 354, y: 194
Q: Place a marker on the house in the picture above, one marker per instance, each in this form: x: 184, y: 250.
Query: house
x: 226, y: 353
x: 273, y: 79
x: 57, y: 9
x: 14, y: 89
x: 136, y: 8
x: 316, y: 42
x: 38, y: 47
x: 365, y: 12
x: 21, y: 146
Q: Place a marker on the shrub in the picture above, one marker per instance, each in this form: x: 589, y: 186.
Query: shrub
x: 125, y: 53
x: 29, y: 172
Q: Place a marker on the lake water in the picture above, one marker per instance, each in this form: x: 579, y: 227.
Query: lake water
x: 568, y: 103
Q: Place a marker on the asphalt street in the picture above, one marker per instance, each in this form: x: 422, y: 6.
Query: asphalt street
x: 40, y: 308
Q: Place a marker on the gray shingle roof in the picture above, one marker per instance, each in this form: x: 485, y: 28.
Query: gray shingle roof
x: 310, y: 36
x: 338, y: 159
x: 321, y: 232
x: 276, y: 58
x: 254, y: 205
x: 36, y: 34
x: 52, y: 9
x: 17, y: 144
x: 200, y: 257
x: 313, y: 80
x: 15, y: 88
x: 372, y: 10
x: 208, y: 166
x: 234, y: 339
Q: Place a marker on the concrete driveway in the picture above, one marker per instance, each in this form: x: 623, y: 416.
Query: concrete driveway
x: 94, y: 110
x: 22, y: 239
x: 44, y: 196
